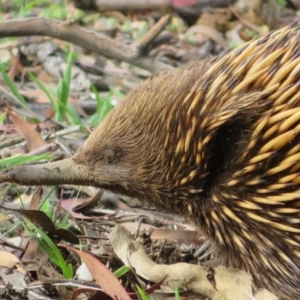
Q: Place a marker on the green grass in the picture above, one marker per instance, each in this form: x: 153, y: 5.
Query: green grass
x: 2, y: 117
x: 142, y: 294
x: 65, y: 111
x: 121, y: 271
x: 103, y: 106
x: 53, y: 252
x: 177, y: 297
x: 49, y: 9
x: 13, y: 88
x: 59, y: 98
x: 280, y: 2
x: 47, y: 206
x: 20, y: 159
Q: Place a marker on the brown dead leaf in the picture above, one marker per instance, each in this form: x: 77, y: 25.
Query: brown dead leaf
x: 38, y: 95
x: 106, y: 279
x: 15, y: 66
x: 37, y: 217
x: 66, y: 235
x: 78, y: 108
x: 69, y: 204
x: 34, y: 257
x: 48, y: 113
x: 33, y: 139
x: 91, y: 202
x: 47, y: 80
x: 36, y: 197
x: 41, y: 219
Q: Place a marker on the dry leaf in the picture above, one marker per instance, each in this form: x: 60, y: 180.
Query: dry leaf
x: 228, y: 283
x: 105, y: 278
x: 33, y: 139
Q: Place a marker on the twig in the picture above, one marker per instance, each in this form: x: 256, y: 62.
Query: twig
x: 152, y: 34
x: 14, y: 98
x: 119, y: 5
x: 82, y: 37
x: 137, y: 232
x: 244, y: 21
x: 160, y: 250
x: 49, y: 137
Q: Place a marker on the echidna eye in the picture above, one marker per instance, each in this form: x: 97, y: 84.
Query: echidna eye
x: 110, y: 159
x: 113, y: 155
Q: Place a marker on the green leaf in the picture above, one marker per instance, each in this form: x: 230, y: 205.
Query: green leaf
x: 2, y: 117
x: 50, y: 247
x: 104, y: 106
x: 72, y: 115
x: 12, y: 86
x: 177, y: 297
x: 46, y: 206
x: 44, y: 89
x: 20, y: 159
x: 121, y: 271
x: 142, y: 293
x: 64, y: 88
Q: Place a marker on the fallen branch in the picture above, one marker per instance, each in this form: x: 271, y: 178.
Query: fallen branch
x: 119, y: 5
x: 89, y: 39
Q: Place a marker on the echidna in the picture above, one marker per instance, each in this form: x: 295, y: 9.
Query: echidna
x: 217, y: 142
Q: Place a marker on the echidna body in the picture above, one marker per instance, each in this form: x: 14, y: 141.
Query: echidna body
x: 218, y: 142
